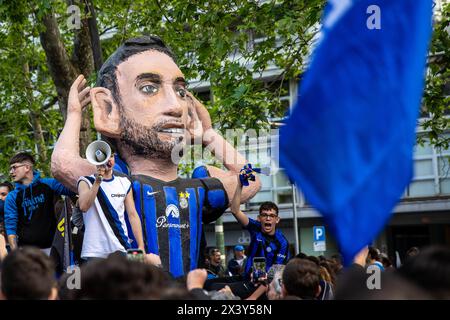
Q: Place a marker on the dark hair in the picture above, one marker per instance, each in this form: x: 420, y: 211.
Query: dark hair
x: 268, y: 205
x: 337, y: 257
x: 301, y: 255
x: 107, y: 75
x: 7, y: 185
x: 301, y: 278
x: 352, y: 285
x: 329, y: 266
x: 176, y: 293
x: 430, y: 270
x: 212, y: 251
x: 386, y: 262
x: 118, y: 278
x: 413, y: 251
x: 314, y: 259
x: 373, y: 254
x: 21, y: 157
x: 27, y: 274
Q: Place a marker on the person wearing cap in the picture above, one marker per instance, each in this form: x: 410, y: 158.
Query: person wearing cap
x: 236, y: 265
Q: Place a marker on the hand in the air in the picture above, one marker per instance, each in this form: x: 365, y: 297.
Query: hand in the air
x: 79, y: 96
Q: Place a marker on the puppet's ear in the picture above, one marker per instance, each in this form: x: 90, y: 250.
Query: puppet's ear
x: 106, y: 112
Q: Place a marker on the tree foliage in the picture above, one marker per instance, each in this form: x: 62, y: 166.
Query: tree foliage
x: 436, y: 99
x: 213, y: 40
x: 237, y: 47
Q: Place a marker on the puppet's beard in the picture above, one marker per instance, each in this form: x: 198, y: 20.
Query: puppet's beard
x: 146, y: 141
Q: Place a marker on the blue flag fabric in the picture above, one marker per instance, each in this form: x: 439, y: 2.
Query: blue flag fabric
x: 349, y: 140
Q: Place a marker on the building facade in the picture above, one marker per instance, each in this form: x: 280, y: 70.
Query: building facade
x: 421, y: 218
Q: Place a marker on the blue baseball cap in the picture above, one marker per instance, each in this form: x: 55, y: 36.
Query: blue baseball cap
x: 239, y: 248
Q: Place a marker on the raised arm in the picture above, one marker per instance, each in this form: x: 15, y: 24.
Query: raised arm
x: 232, y: 160
x: 88, y: 194
x: 67, y: 165
x: 236, y: 204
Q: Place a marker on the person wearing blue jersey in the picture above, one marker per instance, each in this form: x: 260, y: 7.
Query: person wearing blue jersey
x: 142, y: 106
x: 30, y: 208
x: 266, y: 241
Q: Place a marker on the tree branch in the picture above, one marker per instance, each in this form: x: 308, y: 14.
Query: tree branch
x: 82, y: 57
x: 59, y: 65
x: 95, y: 38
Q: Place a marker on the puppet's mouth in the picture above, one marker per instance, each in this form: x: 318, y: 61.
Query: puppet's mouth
x: 173, y: 130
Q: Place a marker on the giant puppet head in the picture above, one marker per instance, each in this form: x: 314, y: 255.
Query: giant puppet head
x: 140, y: 102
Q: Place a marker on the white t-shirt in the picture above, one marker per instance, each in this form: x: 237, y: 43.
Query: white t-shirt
x: 105, y: 226
x: 241, y: 261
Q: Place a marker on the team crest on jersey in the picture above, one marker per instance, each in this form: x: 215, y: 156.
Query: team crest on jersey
x: 172, y: 211
x: 184, y: 196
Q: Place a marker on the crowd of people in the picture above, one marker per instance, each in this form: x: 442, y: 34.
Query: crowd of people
x: 28, y: 272
x: 137, y: 226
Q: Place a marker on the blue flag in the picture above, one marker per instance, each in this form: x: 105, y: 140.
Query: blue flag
x: 349, y: 140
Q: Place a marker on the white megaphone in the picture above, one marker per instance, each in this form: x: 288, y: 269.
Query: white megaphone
x: 98, y: 152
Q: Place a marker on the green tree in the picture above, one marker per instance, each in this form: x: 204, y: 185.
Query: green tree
x: 230, y: 44
x: 436, y: 99
x: 214, y: 41
x: 41, y: 59
x: 26, y: 92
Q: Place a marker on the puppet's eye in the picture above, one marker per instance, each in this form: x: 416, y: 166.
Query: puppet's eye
x: 181, y: 92
x: 149, y: 89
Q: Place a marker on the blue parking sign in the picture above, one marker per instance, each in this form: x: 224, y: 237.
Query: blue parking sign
x: 319, y: 243
x: 319, y: 233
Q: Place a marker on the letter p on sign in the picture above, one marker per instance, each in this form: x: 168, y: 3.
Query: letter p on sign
x: 319, y: 233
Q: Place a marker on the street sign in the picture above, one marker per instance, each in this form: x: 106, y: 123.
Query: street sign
x: 319, y: 240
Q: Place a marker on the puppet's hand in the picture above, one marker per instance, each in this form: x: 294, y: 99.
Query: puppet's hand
x: 79, y: 96
x: 199, y: 119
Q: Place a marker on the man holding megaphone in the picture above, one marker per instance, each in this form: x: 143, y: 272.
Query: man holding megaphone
x: 104, y: 197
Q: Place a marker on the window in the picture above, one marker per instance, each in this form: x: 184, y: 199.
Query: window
x: 431, y: 172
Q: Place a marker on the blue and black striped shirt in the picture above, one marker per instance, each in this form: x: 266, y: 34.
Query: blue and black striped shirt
x: 274, y: 248
x: 172, y: 214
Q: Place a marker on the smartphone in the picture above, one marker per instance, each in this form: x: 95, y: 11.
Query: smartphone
x: 259, y: 268
x: 135, y: 254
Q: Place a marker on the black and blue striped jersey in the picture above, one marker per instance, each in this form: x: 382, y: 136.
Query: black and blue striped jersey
x: 172, y: 215
x: 274, y: 248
